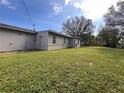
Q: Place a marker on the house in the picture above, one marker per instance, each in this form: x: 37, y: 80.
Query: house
x: 51, y: 40
x: 15, y: 38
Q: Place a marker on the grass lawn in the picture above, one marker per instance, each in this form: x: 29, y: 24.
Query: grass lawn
x: 81, y: 70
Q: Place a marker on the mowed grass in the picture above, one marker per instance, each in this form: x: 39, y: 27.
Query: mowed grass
x: 81, y: 70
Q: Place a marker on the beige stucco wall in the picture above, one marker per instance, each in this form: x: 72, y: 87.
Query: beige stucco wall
x: 59, y: 42
x: 13, y: 40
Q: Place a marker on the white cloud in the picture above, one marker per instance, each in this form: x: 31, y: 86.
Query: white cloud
x: 7, y: 3
x: 69, y: 17
x: 57, y: 8
x: 4, y: 2
x: 93, y: 9
x: 67, y: 2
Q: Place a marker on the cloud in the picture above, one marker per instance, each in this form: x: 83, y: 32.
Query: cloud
x: 69, y: 17
x: 93, y: 9
x: 57, y: 8
x: 4, y: 2
x: 7, y: 3
x: 67, y: 2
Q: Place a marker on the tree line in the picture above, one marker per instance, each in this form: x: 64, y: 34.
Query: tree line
x: 110, y: 35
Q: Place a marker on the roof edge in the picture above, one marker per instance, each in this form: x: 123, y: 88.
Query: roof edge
x: 54, y: 32
x: 6, y: 26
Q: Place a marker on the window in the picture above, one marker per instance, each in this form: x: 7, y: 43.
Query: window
x: 64, y: 40
x: 54, y: 39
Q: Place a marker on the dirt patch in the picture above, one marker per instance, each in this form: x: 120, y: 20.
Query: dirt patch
x: 7, y: 54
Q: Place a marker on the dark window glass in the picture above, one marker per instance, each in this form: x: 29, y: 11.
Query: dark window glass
x: 54, y: 39
x: 64, y: 40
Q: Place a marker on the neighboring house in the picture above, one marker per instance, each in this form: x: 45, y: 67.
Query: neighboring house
x: 15, y: 38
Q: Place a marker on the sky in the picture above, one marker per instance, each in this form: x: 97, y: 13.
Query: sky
x: 50, y: 14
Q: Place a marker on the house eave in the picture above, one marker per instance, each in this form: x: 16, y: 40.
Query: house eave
x: 5, y: 26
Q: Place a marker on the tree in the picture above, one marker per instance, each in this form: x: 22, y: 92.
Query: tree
x: 120, y: 11
x: 93, y: 41
x: 110, y: 17
x: 114, y: 18
x: 80, y: 27
x: 108, y: 37
x: 121, y: 41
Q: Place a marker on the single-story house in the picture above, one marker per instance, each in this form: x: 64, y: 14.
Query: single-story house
x: 15, y: 38
x: 51, y: 40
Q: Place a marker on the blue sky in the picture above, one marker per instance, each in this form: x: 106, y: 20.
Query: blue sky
x: 50, y: 14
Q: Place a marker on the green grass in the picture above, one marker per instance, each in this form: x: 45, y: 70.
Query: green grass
x: 81, y: 70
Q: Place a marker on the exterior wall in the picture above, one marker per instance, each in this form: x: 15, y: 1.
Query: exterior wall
x: 41, y: 41
x: 13, y: 40
x: 59, y: 42
x: 75, y: 43
x: 72, y: 43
